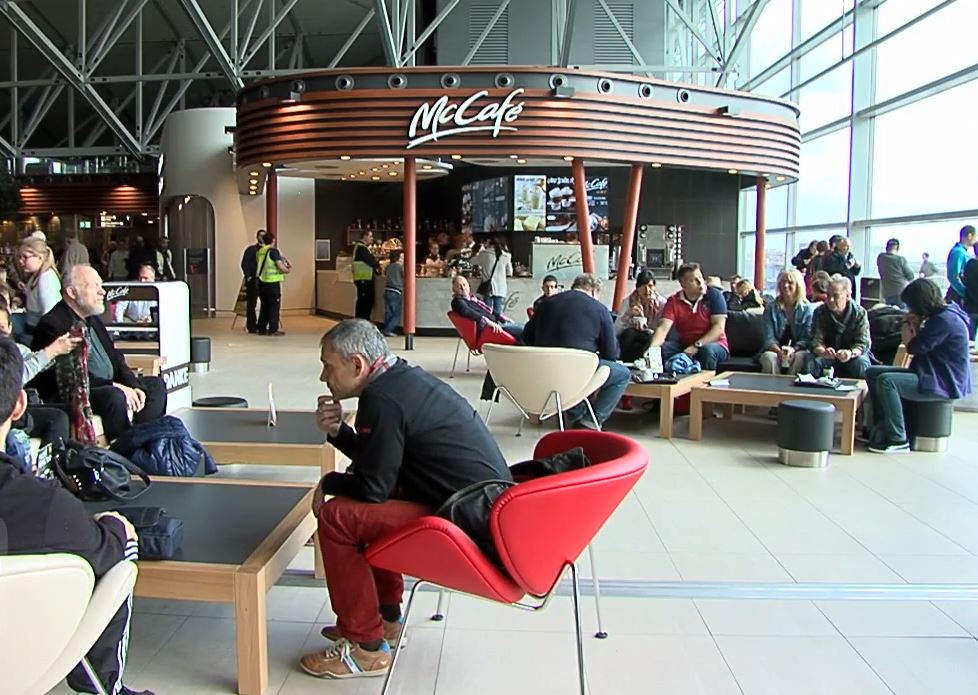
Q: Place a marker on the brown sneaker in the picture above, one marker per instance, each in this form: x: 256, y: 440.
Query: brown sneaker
x: 391, y: 632
x: 346, y: 659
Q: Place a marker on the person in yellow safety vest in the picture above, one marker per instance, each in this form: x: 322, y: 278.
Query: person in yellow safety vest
x: 272, y: 268
x: 364, y: 267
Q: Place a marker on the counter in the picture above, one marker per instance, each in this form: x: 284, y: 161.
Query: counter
x: 336, y: 297
x: 564, y: 262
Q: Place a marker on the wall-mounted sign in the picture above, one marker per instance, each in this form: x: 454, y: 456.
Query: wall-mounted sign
x: 429, y: 119
x: 113, y: 221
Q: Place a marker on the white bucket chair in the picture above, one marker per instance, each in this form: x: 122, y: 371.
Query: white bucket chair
x: 52, y: 612
x: 544, y: 381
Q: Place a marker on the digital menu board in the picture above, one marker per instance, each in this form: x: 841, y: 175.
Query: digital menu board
x: 530, y: 203
x: 561, y: 203
x: 486, y: 205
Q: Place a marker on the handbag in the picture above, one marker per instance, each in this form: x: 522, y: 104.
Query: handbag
x: 469, y: 510
x: 97, y: 475
x: 485, y: 287
x: 160, y: 535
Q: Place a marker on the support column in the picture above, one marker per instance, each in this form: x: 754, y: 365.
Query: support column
x: 583, y: 216
x: 271, y: 204
x: 628, y: 235
x: 759, y: 234
x: 410, y: 248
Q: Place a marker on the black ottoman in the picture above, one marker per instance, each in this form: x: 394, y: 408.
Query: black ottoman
x: 928, y: 421
x: 200, y: 354
x: 220, y: 402
x: 805, y: 433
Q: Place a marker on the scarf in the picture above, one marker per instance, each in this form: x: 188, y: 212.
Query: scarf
x: 73, y: 388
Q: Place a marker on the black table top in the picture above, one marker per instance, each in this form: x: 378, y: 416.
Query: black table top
x: 222, y: 523
x: 240, y: 426
x: 780, y: 384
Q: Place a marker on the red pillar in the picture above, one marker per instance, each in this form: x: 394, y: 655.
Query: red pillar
x: 410, y: 246
x: 583, y: 216
x: 628, y: 235
x: 271, y: 204
x: 759, y: 235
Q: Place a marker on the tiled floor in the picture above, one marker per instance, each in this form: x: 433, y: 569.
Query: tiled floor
x: 717, y: 510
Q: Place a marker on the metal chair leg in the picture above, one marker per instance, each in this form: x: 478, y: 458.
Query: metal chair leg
x: 492, y: 402
x: 560, y: 412
x: 577, y: 630
x: 396, y: 648
x: 594, y: 417
x: 600, y: 634
x: 519, y: 430
x: 468, y: 362
x: 458, y: 344
x: 439, y: 613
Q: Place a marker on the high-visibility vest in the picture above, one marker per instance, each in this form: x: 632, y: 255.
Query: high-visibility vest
x: 267, y: 268
x: 361, y: 270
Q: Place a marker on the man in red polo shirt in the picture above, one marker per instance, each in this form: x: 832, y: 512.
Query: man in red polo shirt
x: 699, y: 313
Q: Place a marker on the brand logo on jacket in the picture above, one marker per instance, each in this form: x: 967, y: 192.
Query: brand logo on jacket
x: 429, y: 120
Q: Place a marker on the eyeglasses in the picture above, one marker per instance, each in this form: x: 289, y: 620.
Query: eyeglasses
x: 26, y: 256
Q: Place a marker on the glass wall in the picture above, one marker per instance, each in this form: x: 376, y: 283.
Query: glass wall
x: 903, y: 161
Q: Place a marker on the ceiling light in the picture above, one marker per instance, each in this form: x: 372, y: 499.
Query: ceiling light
x: 144, y: 214
x: 375, y: 169
x: 353, y: 176
x: 656, y: 165
x: 456, y: 156
x: 392, y: 173
x: 385, y: 166
x: 267, y: 165
x: 425, y: 166
x: 521, y: 161
x: 732, y: 171
x: 253, y: 173
x: 363, y: 173
x: 375, y: 178
x: 252, y: 193
x: 779, y: 178
x: 345, y: 157
x: 568, y: 158
x: 514, y: 156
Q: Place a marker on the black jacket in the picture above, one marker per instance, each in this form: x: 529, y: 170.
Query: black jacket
x: 414, y: 434
x: 573, y: 319
x: 56, y: 323
x: 969, y: 278
x: 38, y: 517
x: 846, y: 266
x: 249, y: 262
x: 475, y: 310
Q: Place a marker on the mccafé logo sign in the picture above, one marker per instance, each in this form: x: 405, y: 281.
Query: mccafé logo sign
x: 440, y: 119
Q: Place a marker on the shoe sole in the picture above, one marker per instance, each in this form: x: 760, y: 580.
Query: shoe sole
x: 877, y: 450
x: 333, y: 676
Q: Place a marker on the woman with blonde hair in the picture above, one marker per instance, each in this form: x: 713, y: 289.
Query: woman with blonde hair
x: 787, y: 327
x: 40, y: 283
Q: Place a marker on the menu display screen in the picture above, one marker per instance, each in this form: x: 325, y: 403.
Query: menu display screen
x: 561, y: 202
x: 530, y: 203
x: 486, y: 205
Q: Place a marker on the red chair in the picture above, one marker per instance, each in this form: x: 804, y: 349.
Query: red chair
x: 474, y: 339
x: 540, y: 527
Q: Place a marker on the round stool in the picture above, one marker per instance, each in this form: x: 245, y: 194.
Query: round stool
x: 200, y: 354
x: 805, y: 433
x: 220, y: 402
x: 928, y: 421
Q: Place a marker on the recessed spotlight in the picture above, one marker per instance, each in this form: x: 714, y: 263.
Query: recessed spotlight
x: 252, y: 192
x: 779, y: 178
x: 514, y: 156
x: 456, y: 156
x: 732, y: 171
x: 345, y: 157
x: 253, y: 173
x: 656, y: 165
x: 568, y: 158
x: 385, y: 166
x: 363, y: 173
x: 392, y: 173
x: 353, y: 176
x: 425, y: 166
x: 521, y: 161
x: 375, y: 178
x: 267, y: 165
x: 375, y: 169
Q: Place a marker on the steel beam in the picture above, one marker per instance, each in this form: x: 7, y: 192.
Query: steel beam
x: 7, y: 148
x: 568, y: 33
x: 174, y: 57
x: 243, y: 46
x: 742, y: 40
x: 485, y: 32
x: 102, y: 35
x: 351, y: 39
x: 269, y: 31
x: 692, y: 28
x: 716, y: 29
x: 386, y: 35
x: 82, y: 30
x: 116, y: 34
x: 16, y: 16
x: 213, y: 43
x: 429, y: 30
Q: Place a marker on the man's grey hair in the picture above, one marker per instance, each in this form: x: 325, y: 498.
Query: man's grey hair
x: 70, y: 278
x: 356, y: 337
x: 587, y: 281
x: 841, y: 281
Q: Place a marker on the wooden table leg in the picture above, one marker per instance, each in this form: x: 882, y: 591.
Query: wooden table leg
x: 251, y: 632
x: 666, y: 410
x: 727, y: 411
x: 695, y: 415
x: 848, y: 442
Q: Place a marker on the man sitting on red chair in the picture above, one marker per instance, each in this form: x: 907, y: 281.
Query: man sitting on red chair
x: 468, y: 306
x: 415, y: 443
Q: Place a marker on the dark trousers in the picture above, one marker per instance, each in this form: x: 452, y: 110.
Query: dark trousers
x: 365, y: 298
x: 109, y: 403
x: 886, y: 385
x: 251, y: 305
x: 393, y: 300
x: 357, y: 590
x: 48, y: 424
x: 107, y: 656
x: 270, y: 294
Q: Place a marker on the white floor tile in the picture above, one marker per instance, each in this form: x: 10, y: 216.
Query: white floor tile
x: 840, y: 569
x: 729, y: 567
x: 765, y: 665
x: 939, y: 569
x: 889, y: 619
x: 755, y: 617
x: 964, y: 613
x: 918, y: 666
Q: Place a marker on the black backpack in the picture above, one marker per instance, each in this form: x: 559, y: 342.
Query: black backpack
x: 885, y: 330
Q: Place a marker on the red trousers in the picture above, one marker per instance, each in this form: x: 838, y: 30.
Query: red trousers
x: 357, y: 590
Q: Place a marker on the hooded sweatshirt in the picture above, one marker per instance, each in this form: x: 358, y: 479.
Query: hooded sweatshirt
x: 940, y: 354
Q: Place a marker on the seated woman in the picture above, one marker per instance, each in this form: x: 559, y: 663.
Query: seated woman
x: 936, y: 335
x: 787, y: 327
x: 41, y: 284
x: 638, y: 317
x: 745, y: 297
x: 820, y: 286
